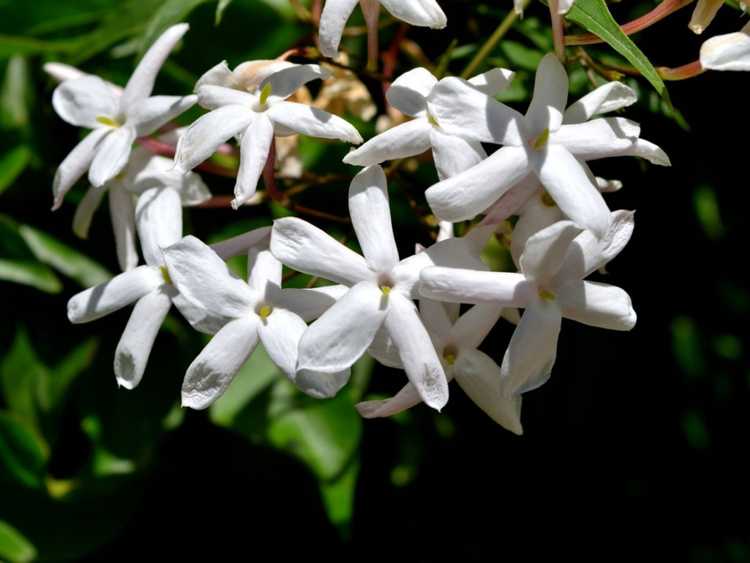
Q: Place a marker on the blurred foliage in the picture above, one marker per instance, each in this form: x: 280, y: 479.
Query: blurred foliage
x: 90, y: 472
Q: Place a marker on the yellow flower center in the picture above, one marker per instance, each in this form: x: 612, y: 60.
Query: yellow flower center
x: 547, y: 199
x: 449, y: 355
x: 386, y: 289
x: 265, y: 93
x: 108, y: 121
x: 541, y: 139
x: 264, y: 311
x: 432, y: 120
x: 165, y: 275
x: 546, y: 295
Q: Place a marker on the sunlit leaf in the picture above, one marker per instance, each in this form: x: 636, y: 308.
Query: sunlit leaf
x: 220, y: 8
x: 28, y: 272
x: 15, y: 96
x: 14, y: 547
x: 338, y: 498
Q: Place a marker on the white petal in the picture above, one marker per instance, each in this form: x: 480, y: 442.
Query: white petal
x: 703, y: 14
x: 342, y: 334
x: 286, y: 81
x: 218, y: 75
x: 727, y: 52
x: 152, y: 113
x: 545, y: 251
x: 550, y: 96
x: 122, y: 213
x: 264, y: 269
x: 85, y: 211
x: 158, y: 217
x: 597, y: 304
x: 513, y: 200
x: 81, y: 100
x: 479, y: 377
x: 409, y: 92
x: 204, y: 279
x: 564, y: 6
x: 75, y: 164
x: 474, y: 325
x: 308, y: 249
x: 456, y: 285
x: 205, y: 135
x: 570, y: 187
x: 384, y: 350
x: 424, y: 13
x: 435, y: 318
x: 111, y: 156
x: 604, y: 99
x: 310, y: 303
x: 535, y: 216
x: 528, y: 361
x: 453, y: 154
x: 401, y: 401
x: 371, y: 218
x: 280, y: 333
x: 460, y: 109
x: 254, y: 150
x: 213, y: 370
x: 241, y: 244
x: 142, y: 80
x: 122, y: 290
x: 213, y: 97
x: 313, y: 122
x: 62, y: 71
x: 200, y: 318
x: 416, y: 350
x: 250, y: 75
x: 493, y: 81
x: 138, y: 338
x: 332, y: 22
x: 466, y: 195
x: 405, y: 140
x: 321, y: 385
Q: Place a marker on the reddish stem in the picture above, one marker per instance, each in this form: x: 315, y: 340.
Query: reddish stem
x: 558, y: 33
x: 269, y: 177
x: 683, y: 72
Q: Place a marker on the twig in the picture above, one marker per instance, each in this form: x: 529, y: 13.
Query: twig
x: 558, y: 33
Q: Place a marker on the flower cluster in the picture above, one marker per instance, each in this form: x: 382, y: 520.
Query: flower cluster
x: 404, y: 312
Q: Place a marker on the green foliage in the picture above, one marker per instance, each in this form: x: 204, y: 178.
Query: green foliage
x: 13, y: 546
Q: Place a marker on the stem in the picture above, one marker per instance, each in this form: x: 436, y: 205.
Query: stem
x: 165, y: 149
x: 690, y: 70
x: 558, y: 33
x: 269, y: 176
x: 496, y: 36
x: 371, y: 12
x: 647, y: 20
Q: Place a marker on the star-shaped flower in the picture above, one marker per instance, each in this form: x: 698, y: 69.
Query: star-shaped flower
x: 410, y: 94
x: 456, y: 341
x: 539, y: 144
x: 116, y: 117
x: 382, y: 288
x: 255, y: 116
x: 549, y: 286
x: 423, y: 13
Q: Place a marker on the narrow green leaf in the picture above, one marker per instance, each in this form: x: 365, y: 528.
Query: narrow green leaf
x: 14, y: 547
x: 23, y: 452
x: 29, y: 272
x: 338, y: 498
x: 20, y: 374
x: 594, y: 16
x: 170, y: 13
x: 220, y: 8
x: 53, y: 387
x: 12, y: 164
x: 16, y: 94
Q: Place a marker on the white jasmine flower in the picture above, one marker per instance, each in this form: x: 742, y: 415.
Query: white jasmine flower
x: 456, y: 341
x: 730, y: 51
x: 423, y: 13
x: 549, y: 286
x: 254, y: 311
x: 116, y: 118
x: 539, y: 144
x: 382, y: 288
x: 255, y: 116
x: 410, y: 93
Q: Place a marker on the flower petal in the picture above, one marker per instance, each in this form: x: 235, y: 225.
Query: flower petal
x: 528, y: 361
x: 81, y: 100
x: 453, y: 154
x: 218, y: 75
x: 288, y: 80
x: 474, y: 325
x: 730, y: 51
x: 536, y: 215
x: 313, y: 122
x: 75, y: 164
x: 138, y: 338
x: 280, y: 333
x: 141, y: 82
x: 572, y: 190
x: 332, y: 22
x: 545, y: 251
x: 343, y: 333
x: 550, y: 96
x: 254, y: 150
x: 384, y: 350
x: 435, y: 318
x: 597, y: 304
x: 479, y: 377
x: 405, y: 140
x: 416, y: 351
x: 604, y: 99
x: 493, y: 81
x: 513, y: 200
x: 213, y: 97
x: 152, y: 113
x: 409, y: 92
x: 265, y: 271
x: 310, y: 303
x: 703, y: 14
x: 466, y: 195
x: 206, y: 134
x: 401, y: 401
x: 122, y: 290
x: 321, y: 385
x: 158, y: 216
x: 460, y: 109
x: 122, y: 213
x: 424, y: 13
x: 85, y: 211
x: 213, y: 370
x: 204, y: 279
x: 241, y: 244
x: 371, y: 218
x: 457, y: 285
x: 308, y: 249
x: 111, y: 156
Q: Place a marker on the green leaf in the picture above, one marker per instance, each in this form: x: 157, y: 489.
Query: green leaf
x: 23, y: 452
x: 338, y: 498
x: 12, y: 163
x: 15, y: 95
x: 20, y: 373
x: 594, y: 16
x: 170, y: 13
x: 63, y: 258
x: 220, y: 8
x: 28, y: 272
x: 53, y: 387
x: 13, y: 546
